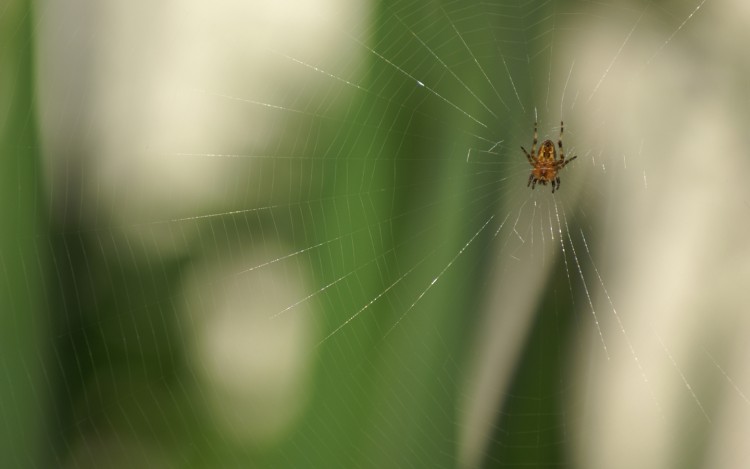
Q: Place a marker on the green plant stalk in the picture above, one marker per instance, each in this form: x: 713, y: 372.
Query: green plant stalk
x: 23, y: 395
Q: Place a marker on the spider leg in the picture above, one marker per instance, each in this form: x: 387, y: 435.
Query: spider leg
x: 531, y: 178
x: 559, y: 141
x: 536, y: 138
x: 528, y: 156
x: 564, y: 163
x: 562, y: 129
x: 557, y: 180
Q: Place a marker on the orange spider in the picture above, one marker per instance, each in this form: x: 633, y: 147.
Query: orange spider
x: 546, y: 166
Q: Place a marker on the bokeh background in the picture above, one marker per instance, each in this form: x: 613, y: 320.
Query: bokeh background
x: 298, y: 234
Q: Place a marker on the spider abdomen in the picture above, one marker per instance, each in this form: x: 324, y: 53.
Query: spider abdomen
x: 544, y: 174
x: 547, y: 152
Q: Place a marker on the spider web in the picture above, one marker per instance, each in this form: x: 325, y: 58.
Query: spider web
x: 300, y: 236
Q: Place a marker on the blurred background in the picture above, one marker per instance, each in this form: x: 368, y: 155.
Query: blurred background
x: 298, y: 234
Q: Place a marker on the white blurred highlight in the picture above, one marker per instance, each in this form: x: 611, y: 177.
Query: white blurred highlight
x: 136, y: 100
x: 677, y: 260
x: 254, y: 364
x: 136, y: 96
x: 677, y: 250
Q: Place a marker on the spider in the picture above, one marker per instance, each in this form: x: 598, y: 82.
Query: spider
x: 546, y: 166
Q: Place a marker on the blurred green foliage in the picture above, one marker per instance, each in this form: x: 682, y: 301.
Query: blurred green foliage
x: 114, y: 369
x: 23, y: 261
